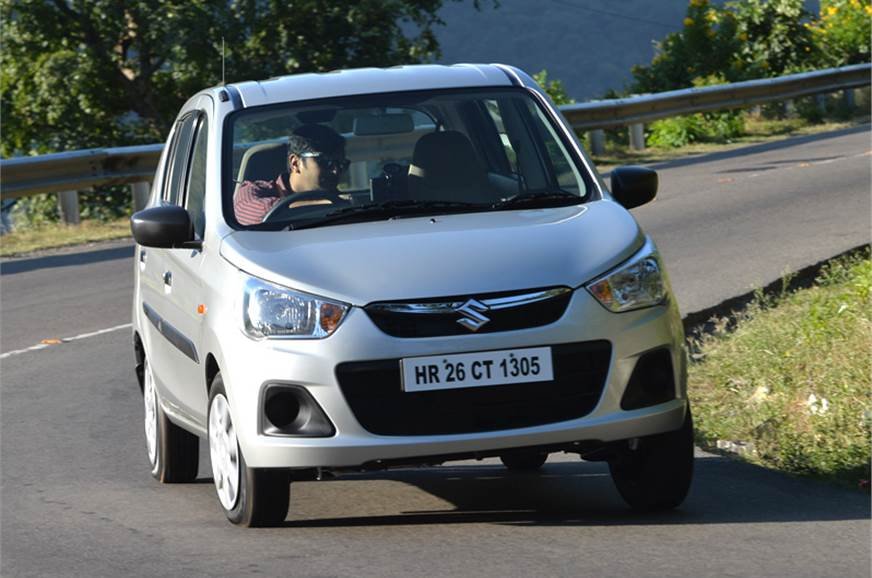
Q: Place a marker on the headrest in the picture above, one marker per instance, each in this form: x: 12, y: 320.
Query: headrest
x: 446, y: 167
x: 263, y: 162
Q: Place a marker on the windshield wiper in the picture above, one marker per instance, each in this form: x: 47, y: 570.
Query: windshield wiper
x: 550, y: 198
x: 386, y: 210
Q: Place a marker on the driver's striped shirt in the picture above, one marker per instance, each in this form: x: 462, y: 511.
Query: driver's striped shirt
x: 254, y: 199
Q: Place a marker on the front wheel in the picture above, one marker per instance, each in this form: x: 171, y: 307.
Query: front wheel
x: 248, y: 496
x: 655, y: 474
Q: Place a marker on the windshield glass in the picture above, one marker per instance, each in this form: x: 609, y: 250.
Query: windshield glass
x: 385, y: 156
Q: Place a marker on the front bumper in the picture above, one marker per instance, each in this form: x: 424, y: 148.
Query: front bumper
x: 253, y: 365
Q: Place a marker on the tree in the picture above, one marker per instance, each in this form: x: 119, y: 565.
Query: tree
x: 745, y: 39
x: 704, y: 47
x: 553, y: 87
x: 77, y: 74
x: 843, y: 32
x: 775, y: 37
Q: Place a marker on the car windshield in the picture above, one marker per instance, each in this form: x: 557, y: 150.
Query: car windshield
x: 388, y: 156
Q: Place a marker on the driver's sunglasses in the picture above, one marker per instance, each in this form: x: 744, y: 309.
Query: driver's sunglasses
x: 336, y: 165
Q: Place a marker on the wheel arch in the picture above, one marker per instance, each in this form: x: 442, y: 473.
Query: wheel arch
x: 139, y: 355
x: 212, y: 369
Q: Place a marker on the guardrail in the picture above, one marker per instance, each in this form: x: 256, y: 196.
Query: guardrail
x: 634, y: 111
x: 73, y: 171
x: 600, y: 114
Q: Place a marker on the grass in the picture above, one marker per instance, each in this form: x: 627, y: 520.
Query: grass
x: 789, y: 387
x: 757, y: 131
x: 54, y: 235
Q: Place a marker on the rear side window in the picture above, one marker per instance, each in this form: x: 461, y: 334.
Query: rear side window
x: 177, y: 161
x: 196, y: 194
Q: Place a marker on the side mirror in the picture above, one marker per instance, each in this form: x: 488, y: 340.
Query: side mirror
x: 634, y: 186
x: 164, y: 227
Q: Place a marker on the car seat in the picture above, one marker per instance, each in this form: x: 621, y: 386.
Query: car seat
x: 445, y: 167
x: 263, y: 162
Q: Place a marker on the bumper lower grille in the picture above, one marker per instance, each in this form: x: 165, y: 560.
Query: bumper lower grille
x: 373, y: 391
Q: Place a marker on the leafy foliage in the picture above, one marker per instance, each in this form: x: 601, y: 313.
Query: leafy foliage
x: 742, y: 40
x: 679, y: 131
x: 747, y: 39
x: 554, y: 88
x: 843, y: 32
x: 82, y: 74
x: 706, y: 46
x: 773, y: 37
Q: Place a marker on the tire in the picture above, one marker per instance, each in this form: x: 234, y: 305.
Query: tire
x: 524, y: 461
x: 657, y: 474
x: 249, y: 496
x: 173, y: 453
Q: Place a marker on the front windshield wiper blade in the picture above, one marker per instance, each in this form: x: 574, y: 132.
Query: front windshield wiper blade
x: 386, y: 210
x: 550, y: 198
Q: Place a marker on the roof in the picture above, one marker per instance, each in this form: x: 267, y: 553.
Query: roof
x: 370, y: 80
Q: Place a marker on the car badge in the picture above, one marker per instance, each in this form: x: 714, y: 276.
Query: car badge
x: 472, y: 315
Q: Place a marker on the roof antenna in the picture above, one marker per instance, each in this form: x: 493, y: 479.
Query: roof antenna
x: 222, y: 61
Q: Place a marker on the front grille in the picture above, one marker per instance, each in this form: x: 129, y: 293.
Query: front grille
x: 397, y: 320
x: 373, y: 391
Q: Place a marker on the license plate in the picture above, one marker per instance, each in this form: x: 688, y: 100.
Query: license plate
x: 477, y: 369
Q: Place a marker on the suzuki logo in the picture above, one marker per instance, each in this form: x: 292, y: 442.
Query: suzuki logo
x: 472, y: 315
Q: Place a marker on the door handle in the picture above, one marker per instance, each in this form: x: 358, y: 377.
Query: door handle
x: 168, y: 278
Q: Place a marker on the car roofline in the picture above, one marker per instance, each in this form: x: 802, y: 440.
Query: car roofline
x: 360, y: 81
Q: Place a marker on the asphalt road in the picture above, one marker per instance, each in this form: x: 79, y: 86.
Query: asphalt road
x: 77, y: 499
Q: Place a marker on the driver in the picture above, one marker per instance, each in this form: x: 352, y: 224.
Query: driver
x: 316, y: 159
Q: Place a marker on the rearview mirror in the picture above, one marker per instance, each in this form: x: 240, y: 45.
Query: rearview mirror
x: 633, y: 186
x: 164, y: 227
x: 383, y: 124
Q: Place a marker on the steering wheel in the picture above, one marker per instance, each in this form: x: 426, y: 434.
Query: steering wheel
x: 282, y: 209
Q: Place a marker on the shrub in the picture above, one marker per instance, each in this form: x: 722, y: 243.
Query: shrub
x: 774, y: 37
x: 842, y: 33
x: 719, y: 126
x: 675, y: 132
x: 744, y: 39
x: 701, y: 127
x: 554, y: 88
x: 106, y: 203
x: 103, y: 204
x: 705, y: 46
x: 36, y: 210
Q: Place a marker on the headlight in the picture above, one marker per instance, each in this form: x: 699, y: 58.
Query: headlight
x: 272, y: 311
x: 640, y: 282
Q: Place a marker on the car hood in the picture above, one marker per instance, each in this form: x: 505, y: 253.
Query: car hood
x: 444, y: 255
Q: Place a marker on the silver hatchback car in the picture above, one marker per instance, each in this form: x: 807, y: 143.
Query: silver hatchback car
x: 380, y: 267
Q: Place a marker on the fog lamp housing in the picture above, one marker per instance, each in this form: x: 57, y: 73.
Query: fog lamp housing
x: 291, y: 411
x: 652, y: 381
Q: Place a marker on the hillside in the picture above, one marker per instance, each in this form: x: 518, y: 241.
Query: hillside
x: 588, y: 44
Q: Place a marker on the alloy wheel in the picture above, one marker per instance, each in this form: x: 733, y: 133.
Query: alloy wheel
x: 224, y: 451
x: 149, y: 397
